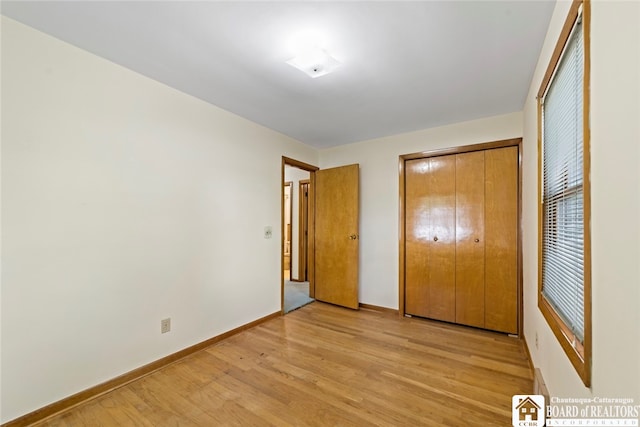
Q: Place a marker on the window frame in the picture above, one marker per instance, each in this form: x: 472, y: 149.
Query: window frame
x: 578, y: 353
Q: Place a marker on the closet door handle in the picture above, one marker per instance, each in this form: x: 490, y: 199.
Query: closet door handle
x: 476, y: 240
x: 435, y: 239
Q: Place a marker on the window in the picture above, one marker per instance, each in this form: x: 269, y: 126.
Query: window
x: 564, y: 291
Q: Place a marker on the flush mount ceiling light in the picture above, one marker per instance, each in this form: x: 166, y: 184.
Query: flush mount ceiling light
x: 314, y: 62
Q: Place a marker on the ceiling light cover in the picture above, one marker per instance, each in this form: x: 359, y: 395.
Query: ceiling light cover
x: 315, y: 62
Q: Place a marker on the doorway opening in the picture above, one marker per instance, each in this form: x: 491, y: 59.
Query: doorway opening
x: 327, y: 255
x: 288, y: 210
x: 297, y: 234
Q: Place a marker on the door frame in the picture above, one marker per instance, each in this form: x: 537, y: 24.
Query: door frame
x: 287, y: 161
x: 515, y: 142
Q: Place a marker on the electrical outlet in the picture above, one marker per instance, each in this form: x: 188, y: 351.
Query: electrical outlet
x: 536, y: 340
x: 165, y: 325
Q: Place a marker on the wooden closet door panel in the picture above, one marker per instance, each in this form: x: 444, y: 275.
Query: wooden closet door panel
x: 442, y: 238
x: 430, y: 238
x: 470, y: 254
x: 417, y: 225
x: 501, y: 241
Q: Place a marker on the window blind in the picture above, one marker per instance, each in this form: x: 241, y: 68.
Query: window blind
x: 562, y: 198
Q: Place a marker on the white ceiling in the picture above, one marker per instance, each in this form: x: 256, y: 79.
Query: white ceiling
x: 405, y: 65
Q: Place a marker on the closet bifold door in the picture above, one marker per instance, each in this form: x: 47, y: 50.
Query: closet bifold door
x: 501, y: 239
x: 461, y: 238
x: 430, y: 237
x: 470, y: 239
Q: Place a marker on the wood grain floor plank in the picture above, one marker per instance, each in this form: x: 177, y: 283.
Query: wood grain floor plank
x: 323, y: 365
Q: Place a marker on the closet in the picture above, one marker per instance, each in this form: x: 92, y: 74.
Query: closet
x: 461, y: 238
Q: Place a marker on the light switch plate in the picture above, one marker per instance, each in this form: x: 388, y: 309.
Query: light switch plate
x: 268, y: 232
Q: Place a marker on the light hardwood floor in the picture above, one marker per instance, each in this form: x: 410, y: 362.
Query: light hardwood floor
x: 323, y: 365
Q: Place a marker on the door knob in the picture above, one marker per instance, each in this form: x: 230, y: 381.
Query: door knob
x: 477, y: 240
x: 353, y: 237
x: 435, y: 239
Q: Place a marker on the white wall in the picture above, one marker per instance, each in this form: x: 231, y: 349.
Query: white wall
x: 295, y: 175
x: 615, y: 207
x: 122, y: 205
x: 379, y: 193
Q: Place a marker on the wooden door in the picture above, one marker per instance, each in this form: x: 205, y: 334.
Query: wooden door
x: 430, y: 237
x: 469, y: 201
x: 336, y: 238
x: 303, y: 230
x: 501, y: 240
x: 470, y: 242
